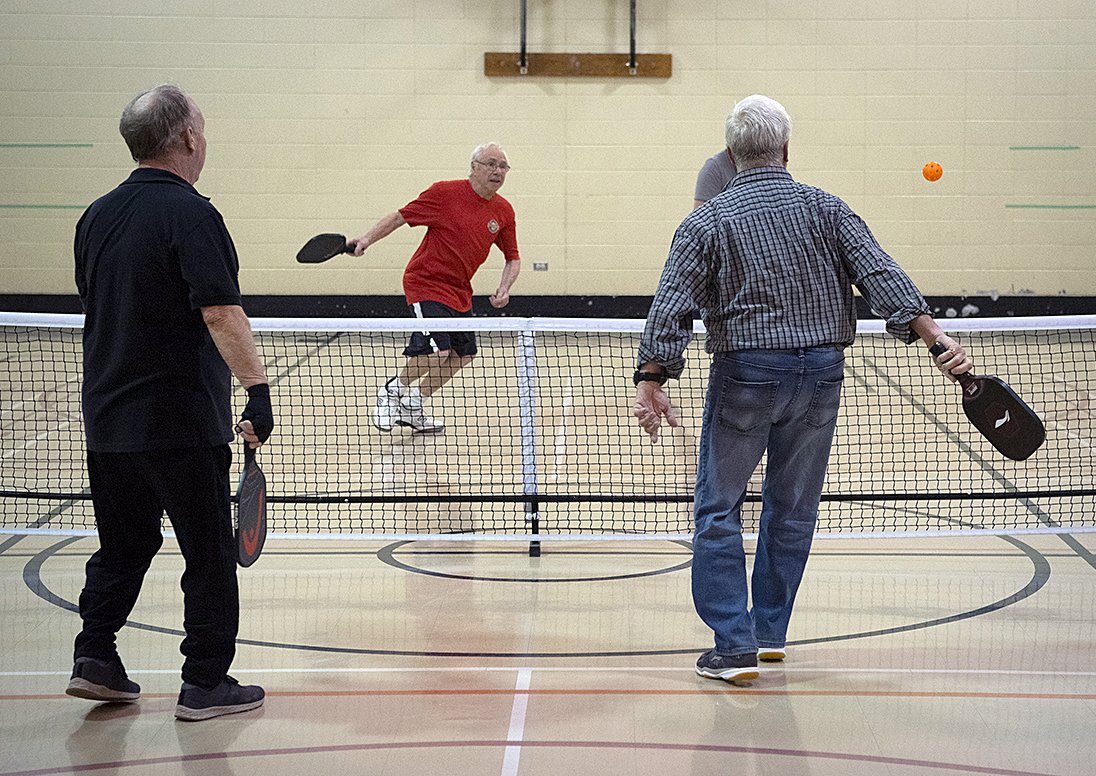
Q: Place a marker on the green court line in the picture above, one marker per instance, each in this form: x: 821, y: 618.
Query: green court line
x: 1054, y: 207
x: 1044, y: 148
x: 45, y: 145
x: 41, y: 207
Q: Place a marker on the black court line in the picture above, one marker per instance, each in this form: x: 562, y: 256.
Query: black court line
x: 1080, y: 550
x: 32, y: 577
x: 815, y: 552
x: 387, y: 553
x: 941, y: 426
x: 85, y: 493
x: 1076, y: 549
x: 43, y: 520
x: 1038, y: 579
x: 10, y: 542
x: 547, y: 551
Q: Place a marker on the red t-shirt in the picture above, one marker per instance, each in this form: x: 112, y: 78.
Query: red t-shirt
x: 461, y: 228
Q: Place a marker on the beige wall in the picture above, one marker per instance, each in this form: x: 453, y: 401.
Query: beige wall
x: 327, y: 114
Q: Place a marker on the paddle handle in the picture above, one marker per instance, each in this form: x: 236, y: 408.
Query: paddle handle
x: 249, y: 454
x: 965, y: 379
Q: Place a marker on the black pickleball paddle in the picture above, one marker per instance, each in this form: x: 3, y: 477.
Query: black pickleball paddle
x: 999, y: 413
x: 323, y: 247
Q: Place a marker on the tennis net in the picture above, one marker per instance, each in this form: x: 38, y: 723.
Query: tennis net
x: 539, y: 437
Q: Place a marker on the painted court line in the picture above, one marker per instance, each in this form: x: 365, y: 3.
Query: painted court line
x: 516, y: 733
x: 590, y: 669
x: 806, y: 754
x: 521, y: 696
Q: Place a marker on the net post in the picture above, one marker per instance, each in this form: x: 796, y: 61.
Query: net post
x: 533, y: 519
x: 527, y: 406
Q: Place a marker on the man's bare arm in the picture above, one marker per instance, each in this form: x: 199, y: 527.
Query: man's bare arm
x: 380, y: 230
x: 951, y: 362
x: 510, y: 271
x: 231, y: 332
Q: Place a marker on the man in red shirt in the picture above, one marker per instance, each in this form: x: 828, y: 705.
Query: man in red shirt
x: 464, y: 218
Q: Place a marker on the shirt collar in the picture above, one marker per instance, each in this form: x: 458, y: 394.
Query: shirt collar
x: 156, y: 175
x: 743, y: 177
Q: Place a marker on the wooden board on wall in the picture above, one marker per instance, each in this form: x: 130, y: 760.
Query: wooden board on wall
x: 505, y: 63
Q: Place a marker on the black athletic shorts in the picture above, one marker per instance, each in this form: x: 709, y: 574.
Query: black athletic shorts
x: 425, y: 343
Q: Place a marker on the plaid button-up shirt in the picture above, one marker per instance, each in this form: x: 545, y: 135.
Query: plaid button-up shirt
x: 770, y: 264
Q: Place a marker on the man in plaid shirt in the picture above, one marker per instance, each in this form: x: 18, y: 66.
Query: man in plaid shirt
x: 769, y: 265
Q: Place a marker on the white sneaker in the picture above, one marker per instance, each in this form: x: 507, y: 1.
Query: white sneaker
x: 411, y: 414
x: 771, y: 654
x: 387, y: 407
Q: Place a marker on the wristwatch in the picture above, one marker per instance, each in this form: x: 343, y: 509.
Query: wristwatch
x: 650, y: 377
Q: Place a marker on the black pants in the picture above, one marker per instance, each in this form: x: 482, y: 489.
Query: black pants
x: 131, y: 492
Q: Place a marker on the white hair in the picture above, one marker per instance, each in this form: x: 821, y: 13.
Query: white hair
x: 154, y: 121
x: 477, y: 152
x: 758, y: 128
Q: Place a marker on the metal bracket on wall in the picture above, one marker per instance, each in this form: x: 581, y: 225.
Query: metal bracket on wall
x: 496, y: 63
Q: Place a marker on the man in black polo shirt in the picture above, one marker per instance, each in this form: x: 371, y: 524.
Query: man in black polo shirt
x: 164, y: 332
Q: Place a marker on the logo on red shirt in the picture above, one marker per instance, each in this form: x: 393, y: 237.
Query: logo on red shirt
x: 493, y: 226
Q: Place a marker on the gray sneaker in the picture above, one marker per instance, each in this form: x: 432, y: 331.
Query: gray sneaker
x: 411, y: 413
x: 99, y: 680
x: 229, y: 697
x: 730, y: 668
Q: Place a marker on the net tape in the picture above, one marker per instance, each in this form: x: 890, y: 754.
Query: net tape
x: 539, y: 435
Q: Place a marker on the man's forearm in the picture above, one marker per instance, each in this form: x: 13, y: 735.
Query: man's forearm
x: 231, y: 332
x: 383, y: 228
x: 510, y: 272
x: 927, y: 329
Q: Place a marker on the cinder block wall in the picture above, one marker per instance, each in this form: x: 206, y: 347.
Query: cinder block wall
x: 325, y: 115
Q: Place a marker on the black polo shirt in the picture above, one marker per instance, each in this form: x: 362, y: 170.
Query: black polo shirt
x: 149, y: 255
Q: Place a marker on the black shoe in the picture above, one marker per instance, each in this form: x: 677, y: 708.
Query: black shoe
x: 229, y: 697
x: 100, y: 680
x: 731, y: 668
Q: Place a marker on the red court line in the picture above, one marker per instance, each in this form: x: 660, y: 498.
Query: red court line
x: 524, y: 744
x: 743, y: 691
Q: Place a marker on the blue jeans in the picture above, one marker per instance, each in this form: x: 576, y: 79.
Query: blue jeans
x: 786, y: 402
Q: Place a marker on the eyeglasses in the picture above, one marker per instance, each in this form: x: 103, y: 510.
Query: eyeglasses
x: 491, y: 164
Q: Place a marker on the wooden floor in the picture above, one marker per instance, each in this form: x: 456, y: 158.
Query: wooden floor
x: 927, y: 656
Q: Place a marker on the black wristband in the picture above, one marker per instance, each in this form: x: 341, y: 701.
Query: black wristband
x: 259, y: 389
x: 649, y: 377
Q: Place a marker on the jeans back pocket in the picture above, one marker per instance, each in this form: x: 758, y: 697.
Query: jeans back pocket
x: 744, y: 406
x: 824, y: 404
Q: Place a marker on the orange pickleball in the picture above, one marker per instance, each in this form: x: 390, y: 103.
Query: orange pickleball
x: 932, y: 171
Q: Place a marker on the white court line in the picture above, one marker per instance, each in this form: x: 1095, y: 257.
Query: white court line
x: 587, y: 669
x: 517, y: 723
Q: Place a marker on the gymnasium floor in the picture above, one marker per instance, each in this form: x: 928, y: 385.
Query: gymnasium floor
x: 907, y: 656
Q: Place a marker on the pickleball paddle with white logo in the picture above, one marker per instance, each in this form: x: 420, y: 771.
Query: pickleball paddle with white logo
x: 999, y: 413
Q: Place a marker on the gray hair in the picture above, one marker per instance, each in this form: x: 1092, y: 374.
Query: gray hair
x: 758, y: 128
x: 154, y: 121
x: 477, y: 152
